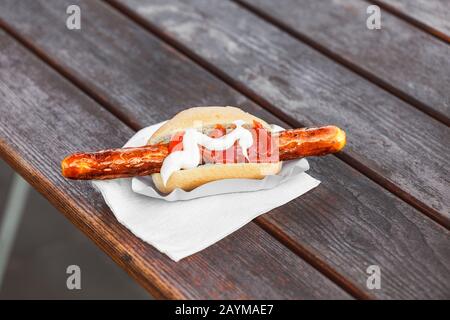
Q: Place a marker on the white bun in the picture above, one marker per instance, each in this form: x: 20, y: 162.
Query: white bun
x: 208, y: 116
x: 192, y: 178
x: 203, y: 116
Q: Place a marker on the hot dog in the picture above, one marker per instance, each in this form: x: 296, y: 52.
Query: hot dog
x: 262, y: 156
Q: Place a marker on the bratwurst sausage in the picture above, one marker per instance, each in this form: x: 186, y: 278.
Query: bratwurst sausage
x: 145, y: 160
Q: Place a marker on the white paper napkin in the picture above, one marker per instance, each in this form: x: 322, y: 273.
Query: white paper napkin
x: 182, y: 228
x: 290, y: 169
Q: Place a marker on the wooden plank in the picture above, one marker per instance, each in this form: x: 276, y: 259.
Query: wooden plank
x: 6, y: 177
x: 43, y: 117
x: 401, y: 58
x: 389, y: 140
x: 354, y: 220
x: 431, y: 15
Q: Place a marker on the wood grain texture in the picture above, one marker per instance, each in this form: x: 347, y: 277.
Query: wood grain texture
x: 350, y: 215
x: 400, y: 57
x: 431, y: 15
x: 43, y: 117
x: 388, y: 139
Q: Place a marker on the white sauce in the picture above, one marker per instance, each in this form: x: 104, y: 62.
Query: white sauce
x: 190, y: 157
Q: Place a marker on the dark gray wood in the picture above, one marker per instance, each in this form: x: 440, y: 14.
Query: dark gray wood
x: 43, y: 117
x: 431, y: 15
x: 402, y: 58
x: 354, y: 224
x: 389, y: 140
x: 354, y: 220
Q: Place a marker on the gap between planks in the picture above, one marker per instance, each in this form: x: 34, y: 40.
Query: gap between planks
x: 346, y: 63
x: 411, y: 20
x: 313, y: 260
x: 268, y: 227
x: 38, y: 182
x: 66, y: 74
x: 261, y: 101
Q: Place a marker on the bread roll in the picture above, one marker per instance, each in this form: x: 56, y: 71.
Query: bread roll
x: 203, y: 117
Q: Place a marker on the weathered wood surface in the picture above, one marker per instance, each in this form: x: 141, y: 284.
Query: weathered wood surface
x: 389, y: 140
x: 43, y: 117
x: 403, y: 59
x: 431, y: 15
x: 345, y: 225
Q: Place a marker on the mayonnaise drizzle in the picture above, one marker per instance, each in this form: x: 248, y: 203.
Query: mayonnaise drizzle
x: 190, y: 156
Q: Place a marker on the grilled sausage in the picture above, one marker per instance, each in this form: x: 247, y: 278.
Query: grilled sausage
x: 141, y: 161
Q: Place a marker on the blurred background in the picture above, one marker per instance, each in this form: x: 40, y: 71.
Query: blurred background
x: 46, y: 243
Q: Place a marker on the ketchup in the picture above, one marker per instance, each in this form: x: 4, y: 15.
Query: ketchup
x: 258, y: 152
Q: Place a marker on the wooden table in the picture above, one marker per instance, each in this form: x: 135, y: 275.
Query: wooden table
x: 383, y: 201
